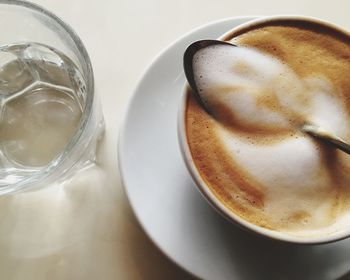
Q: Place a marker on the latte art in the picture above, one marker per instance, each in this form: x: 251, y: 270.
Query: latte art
x: 247, y: 84
x: 250, y: 150
x: 256, y: 91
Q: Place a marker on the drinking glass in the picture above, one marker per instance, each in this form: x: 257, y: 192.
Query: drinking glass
x: 50, y: 116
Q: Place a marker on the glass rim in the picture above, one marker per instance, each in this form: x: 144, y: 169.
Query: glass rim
x: 60, y: 159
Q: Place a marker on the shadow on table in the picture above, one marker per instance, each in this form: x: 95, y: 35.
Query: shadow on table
x: 83, y: 230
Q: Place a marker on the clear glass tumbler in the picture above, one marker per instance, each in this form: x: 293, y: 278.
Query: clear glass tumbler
x: 50, y: 117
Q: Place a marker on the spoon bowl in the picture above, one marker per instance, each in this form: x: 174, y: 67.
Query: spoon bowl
x: 188, y: 65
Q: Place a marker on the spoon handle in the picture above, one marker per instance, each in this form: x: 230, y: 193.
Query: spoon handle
x: 327, y: 137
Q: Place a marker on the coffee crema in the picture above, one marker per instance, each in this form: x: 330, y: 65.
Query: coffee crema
x: 252, y: 154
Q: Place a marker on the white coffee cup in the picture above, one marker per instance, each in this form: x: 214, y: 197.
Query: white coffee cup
x: 205, y: 190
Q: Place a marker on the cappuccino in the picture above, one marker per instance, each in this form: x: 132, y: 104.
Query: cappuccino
x: 250, y: 150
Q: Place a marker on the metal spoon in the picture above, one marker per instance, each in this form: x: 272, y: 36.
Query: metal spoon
x: 326, y: 136
x: 188, y: 65
x: 311, y: 129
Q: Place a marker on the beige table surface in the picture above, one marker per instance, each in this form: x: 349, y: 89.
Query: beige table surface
x: 89, y: 231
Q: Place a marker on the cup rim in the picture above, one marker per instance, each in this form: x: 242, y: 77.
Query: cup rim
x: 61, y: 162
x: 205, y: 190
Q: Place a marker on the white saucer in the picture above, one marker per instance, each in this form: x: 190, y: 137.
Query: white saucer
x: 172, y: 211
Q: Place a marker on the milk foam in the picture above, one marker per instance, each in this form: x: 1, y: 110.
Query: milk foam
x: 291, y: 173
x: 237, y: 77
